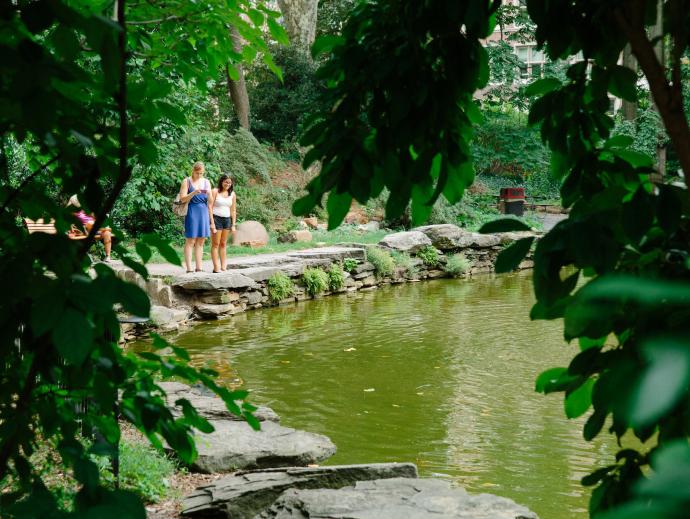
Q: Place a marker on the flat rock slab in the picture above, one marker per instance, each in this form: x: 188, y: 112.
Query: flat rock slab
x: 208, y: 404
x: 210, y: 281
x: 332, y: 253
x: 399, y: 498
x: 235, y: 445
x: 245, y: 494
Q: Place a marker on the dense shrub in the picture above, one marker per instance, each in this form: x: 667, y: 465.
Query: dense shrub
x: 382, y: 261
x: 145, y: 204
x: 279, y: 108
x: 315, y: 280
x: 457, y: 265
x: 280, y: 287
x: 336, y: 277
x: 429, y: 256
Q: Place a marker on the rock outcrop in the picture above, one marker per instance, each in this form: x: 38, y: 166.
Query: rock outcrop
x: 393, y: 499
x: 409, y: 241
x: 250, y: 233
x: 235, y: 445
x: 246, y: 494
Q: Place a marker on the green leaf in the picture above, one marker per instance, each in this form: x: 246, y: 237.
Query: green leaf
x: 73, y: 336
x: 542, y: 86
x: 634, y: 158
x: 503, y: 225
x: 663, y: 382
x: 619, y: 141
x: 548, y: 378
x: 510, y: 257
x: 277, y: 31
x: 622, y: 83
x: 325, y: 43
x: 338, y: 205
x: 164, y: 248
x: 303, y: 206
x: 172, y: 113
x: 577, y: 402
x: 134, y: 299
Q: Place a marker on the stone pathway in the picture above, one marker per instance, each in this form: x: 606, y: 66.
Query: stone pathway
x: 250, y: 260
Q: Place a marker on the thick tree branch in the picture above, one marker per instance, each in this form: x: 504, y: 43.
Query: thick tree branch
x: 667, y: 97
x: 121, y: 99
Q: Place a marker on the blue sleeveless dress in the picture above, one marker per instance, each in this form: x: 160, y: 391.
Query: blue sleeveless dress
x: 196, y: 223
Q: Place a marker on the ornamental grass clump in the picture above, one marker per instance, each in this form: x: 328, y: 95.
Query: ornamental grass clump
x: 382, y: 261
x: 280, y: 287
x: 429, y: 256
x: 315, y: 280
x: 336, y: 277
x: 406, y: 263
x: 457, y: 265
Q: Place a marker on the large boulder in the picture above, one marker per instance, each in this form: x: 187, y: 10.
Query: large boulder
x: 452, y: 237
x: 300, y: 235
x: 235, y: 445
x: 393, y: 499
x: 245, y: 494
x: 251, y: 233
x: 408, y: 241
x: 443, y: 236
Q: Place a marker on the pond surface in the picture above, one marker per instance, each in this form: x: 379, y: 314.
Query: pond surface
x: 440, y: 373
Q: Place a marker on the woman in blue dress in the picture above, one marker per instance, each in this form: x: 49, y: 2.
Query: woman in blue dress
x: 195, y: 190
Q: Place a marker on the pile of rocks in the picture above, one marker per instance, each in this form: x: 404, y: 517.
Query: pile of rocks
x: 288, y: 488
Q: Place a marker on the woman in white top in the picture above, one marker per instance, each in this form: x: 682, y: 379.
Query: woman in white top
x: 223, y: 215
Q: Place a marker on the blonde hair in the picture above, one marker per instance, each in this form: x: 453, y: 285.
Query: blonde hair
x: 198, y: 166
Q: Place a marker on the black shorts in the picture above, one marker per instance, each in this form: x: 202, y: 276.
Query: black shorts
x: 221, y: 222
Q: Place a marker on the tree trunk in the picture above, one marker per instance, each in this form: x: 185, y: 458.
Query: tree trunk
x: 657, y: 31
x: 238, y: 89
x: 629, y: 107
x: 300, y: 22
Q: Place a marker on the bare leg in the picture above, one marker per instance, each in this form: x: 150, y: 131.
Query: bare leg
x: 199, y: 252
x: 215, y: 239
x: 188, y: 244
x: 107, y: 238
x: 223, y: 241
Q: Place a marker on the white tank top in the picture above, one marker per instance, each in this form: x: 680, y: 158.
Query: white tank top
x: 221, y: 205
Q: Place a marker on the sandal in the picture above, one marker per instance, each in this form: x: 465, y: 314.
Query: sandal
x: 189, y: 271
x: 216, y: 271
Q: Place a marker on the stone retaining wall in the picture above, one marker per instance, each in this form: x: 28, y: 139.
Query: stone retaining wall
x: 203, y: 295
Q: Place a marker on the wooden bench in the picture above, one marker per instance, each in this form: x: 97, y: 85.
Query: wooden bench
x: 49, y: 228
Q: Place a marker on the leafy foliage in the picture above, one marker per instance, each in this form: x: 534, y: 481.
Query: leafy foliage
x: 372, y: 135
x: 86, y: 97
x: 381, y: 259
x: 280, y: 287
x: 315, y: 281
x: 350, y: 264
x: 428, y: 255
x: 617, y: 270
x: 280, y: 107
x: 336, y: 277
x: 457, y: 265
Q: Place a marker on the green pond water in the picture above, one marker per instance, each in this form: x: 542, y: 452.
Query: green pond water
x: 439, y: 373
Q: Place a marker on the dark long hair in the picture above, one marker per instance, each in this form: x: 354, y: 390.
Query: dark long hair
x: 222, y: 179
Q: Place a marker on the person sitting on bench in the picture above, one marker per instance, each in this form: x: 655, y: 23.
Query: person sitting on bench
x: 87, y: 221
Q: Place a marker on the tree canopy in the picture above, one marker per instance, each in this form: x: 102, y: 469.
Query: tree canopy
x: 399, y: 115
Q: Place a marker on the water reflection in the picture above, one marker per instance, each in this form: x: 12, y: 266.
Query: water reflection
x: 439, y: 373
